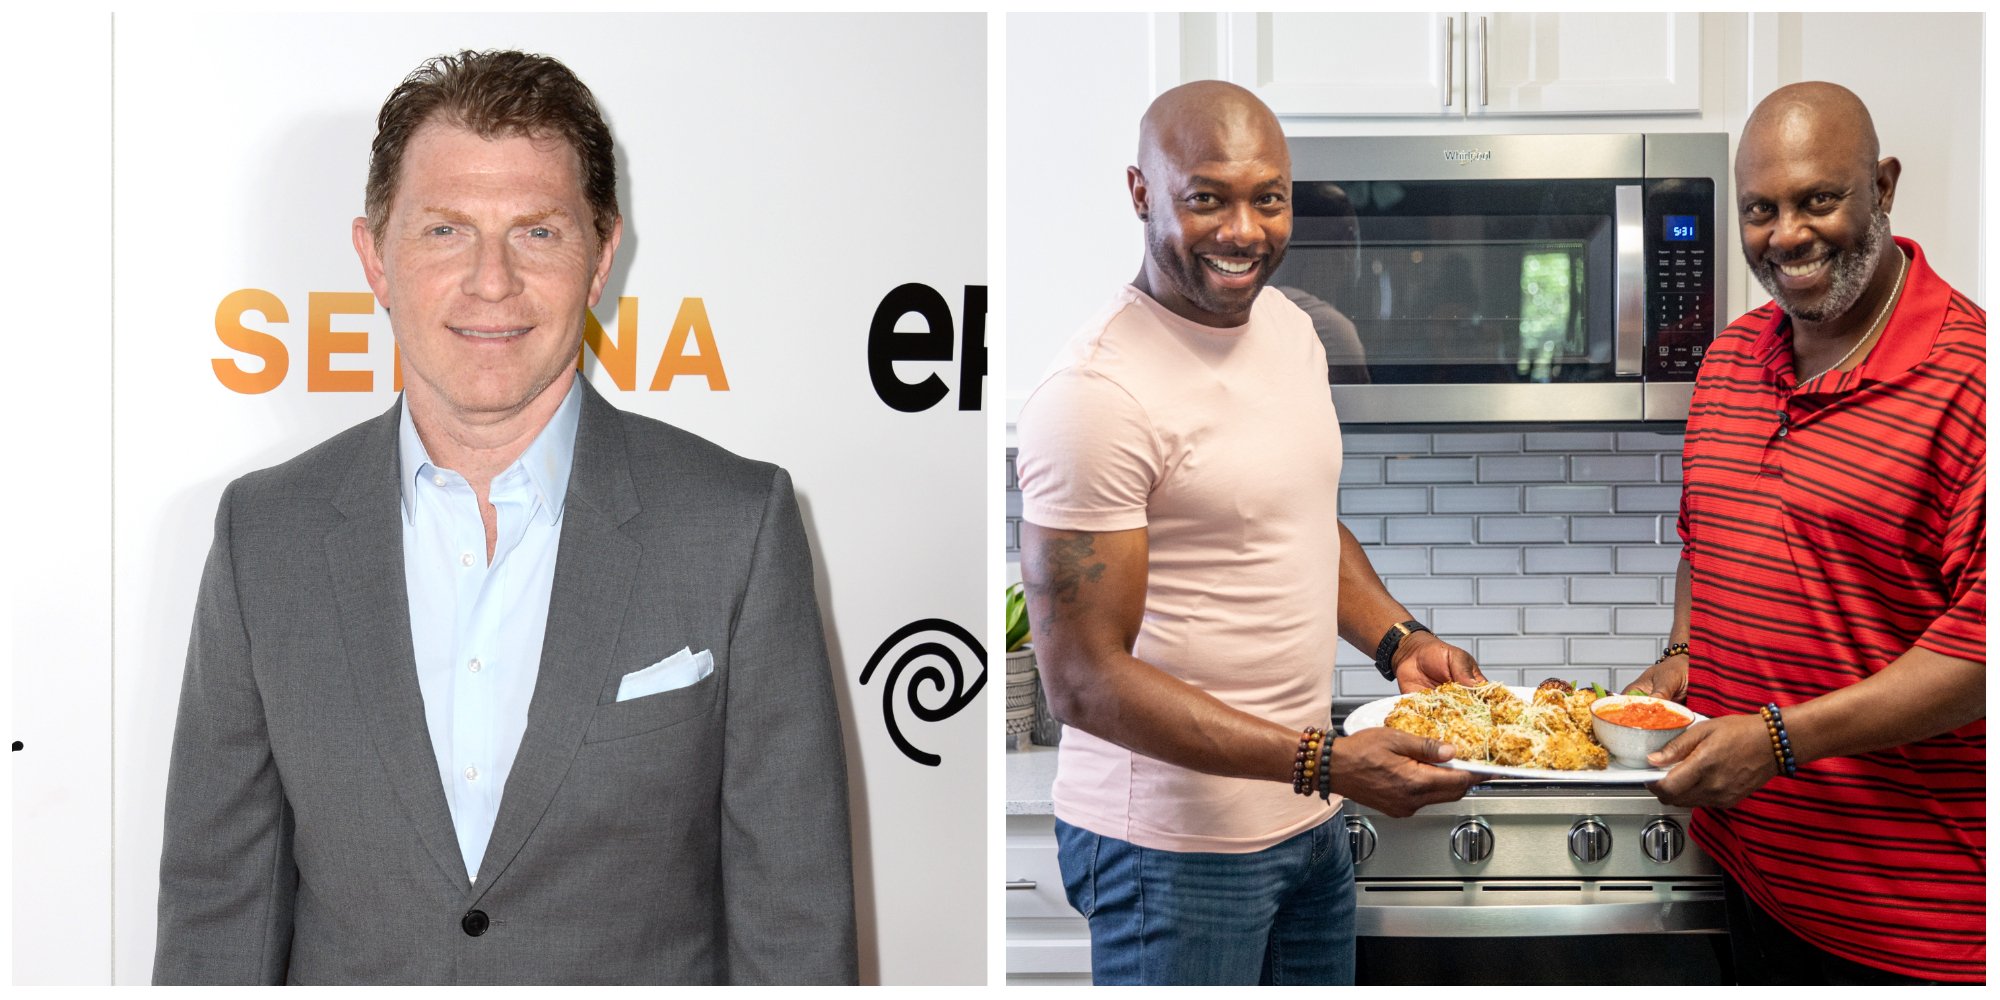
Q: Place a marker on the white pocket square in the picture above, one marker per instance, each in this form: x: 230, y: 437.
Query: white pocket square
x: 676, y: 671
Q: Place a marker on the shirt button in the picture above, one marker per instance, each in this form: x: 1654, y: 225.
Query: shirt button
x: 465, y: 559
x: 472, y: 774
x: 473, y: 666
x: 1781, y: 432
x: 437, y: 480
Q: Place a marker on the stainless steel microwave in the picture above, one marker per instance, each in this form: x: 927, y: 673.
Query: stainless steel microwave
x: 1515, y: 278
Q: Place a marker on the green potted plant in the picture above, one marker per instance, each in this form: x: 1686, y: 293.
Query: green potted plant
x: 1021, y: 680
x: 1044, y: 729
x: 1017, y: 623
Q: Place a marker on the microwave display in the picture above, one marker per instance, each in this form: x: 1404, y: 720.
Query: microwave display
x: 1682, y: 229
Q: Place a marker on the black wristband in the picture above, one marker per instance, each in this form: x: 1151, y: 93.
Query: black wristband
x: 1673, y: 649
x: 1385, y: 651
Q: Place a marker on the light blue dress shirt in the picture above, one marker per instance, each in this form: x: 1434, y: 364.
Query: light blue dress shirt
x: 477, y: 627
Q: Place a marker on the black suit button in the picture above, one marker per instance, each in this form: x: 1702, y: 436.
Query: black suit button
x: 475, y: 922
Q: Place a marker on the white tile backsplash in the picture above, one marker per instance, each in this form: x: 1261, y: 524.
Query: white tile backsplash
x: 1568, y: 441
x: 1385, y: 500
x: 1567, y: 620
x: 1475, y: 499
x: 1536, y: 652
x: 1569, y: 559
x: 1386, y: 444
x: 1568, y: 499
x: 1429, y: 470
x: 1653, y: 499
x: 1613, y: 529
x: 1615, y: 651
x: 1392, y: 560
x: 1467, y: 444
x: 1412, y: 590
x: 1450, y: 622
x: 1433, y: 529
x: 1613, y: 468
x: 1523, y: 468
x: 1522, y: 529
x: 1648, y: 558
x: 1499, y: 560
x: 1523, y: 590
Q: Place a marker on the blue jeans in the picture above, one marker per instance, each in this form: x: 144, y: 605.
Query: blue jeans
x: 1283, y: 916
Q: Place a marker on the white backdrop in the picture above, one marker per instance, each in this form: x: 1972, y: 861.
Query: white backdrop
x: 788, y: 172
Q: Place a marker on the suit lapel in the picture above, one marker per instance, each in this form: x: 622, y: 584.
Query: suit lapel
x: 365, y: 555
x: 595, y: 568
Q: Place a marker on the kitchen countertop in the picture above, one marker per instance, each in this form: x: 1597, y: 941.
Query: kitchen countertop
x: 1030, y: 772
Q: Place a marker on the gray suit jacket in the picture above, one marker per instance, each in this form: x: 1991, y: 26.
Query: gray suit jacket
x: 693, y: 836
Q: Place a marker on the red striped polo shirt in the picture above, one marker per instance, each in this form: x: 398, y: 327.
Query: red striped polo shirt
x: 1829, y: 531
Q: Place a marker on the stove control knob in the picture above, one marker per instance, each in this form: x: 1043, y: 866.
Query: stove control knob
x: 1663, y: 840
x: 1589, y: 841
x: 1472, y: 841
x: 1360, y: 838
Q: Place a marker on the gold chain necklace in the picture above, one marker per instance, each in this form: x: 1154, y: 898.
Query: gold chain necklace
x: 1874, y: 326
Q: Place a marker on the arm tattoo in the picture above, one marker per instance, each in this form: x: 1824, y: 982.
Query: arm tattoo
x: 1067, y: 561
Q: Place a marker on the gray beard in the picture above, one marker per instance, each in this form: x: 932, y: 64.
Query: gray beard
x: 1850, y: 272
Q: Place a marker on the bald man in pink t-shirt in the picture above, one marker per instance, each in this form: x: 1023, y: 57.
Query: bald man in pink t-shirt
x: 1188, y: 581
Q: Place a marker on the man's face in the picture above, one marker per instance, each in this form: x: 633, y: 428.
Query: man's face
x: 1813, y: 222
x: 1218, y: 220
x: 487, y: 265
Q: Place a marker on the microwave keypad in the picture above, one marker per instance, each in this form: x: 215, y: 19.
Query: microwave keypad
x: 1681, y: 284
x: 1682, y: 292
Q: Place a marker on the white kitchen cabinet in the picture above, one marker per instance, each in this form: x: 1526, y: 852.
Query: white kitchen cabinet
x: 1582, y: 64
x: 1048, y: 942
x: 1347, y: 64
x: 1444, y: 65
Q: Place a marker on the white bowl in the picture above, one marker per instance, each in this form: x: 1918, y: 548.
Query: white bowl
x: 1629, y: 745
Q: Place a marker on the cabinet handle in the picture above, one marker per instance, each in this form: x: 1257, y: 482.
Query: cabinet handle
x: 1020, y: 883
x: 1485, y: 57
x: 1450, y: 25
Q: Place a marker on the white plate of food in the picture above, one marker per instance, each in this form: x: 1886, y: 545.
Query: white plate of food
x: 1544, y: 747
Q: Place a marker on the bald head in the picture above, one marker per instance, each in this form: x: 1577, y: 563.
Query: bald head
x: 1207, y: 120
x: 1813, y: 114
x: 1214, y: 187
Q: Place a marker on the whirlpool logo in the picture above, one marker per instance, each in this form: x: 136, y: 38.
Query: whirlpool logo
x: 937, y: 689
x: 1466, y: 156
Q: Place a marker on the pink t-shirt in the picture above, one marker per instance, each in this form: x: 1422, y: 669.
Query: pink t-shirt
x: 1223, y: 445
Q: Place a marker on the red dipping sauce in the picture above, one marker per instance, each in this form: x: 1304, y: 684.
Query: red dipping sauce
x: 1642, y: 715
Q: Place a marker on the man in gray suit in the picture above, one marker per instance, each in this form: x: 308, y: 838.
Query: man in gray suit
x: 600, y: 747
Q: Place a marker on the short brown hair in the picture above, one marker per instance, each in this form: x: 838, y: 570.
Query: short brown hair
x: 498, y: 93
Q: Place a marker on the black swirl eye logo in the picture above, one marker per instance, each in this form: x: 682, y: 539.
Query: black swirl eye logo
x: 930, y: 681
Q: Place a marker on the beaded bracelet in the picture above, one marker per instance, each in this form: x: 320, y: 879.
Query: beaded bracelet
x: 1673, y: 649
x: 1326, y: 767
x: 1305, y: 764
x: 1781, y: 742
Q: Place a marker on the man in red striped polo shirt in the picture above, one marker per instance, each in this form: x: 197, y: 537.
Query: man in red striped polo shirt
x: 1834, y: 569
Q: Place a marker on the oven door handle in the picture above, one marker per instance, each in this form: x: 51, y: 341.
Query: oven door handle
x: 1680, y: 916
x: 1629, y: 270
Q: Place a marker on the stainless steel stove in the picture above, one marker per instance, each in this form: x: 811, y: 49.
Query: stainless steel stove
x: 1567, y: 873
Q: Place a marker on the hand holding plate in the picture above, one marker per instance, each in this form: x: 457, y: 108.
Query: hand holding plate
x: 1392, y: 771
x: 1715, y: 764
